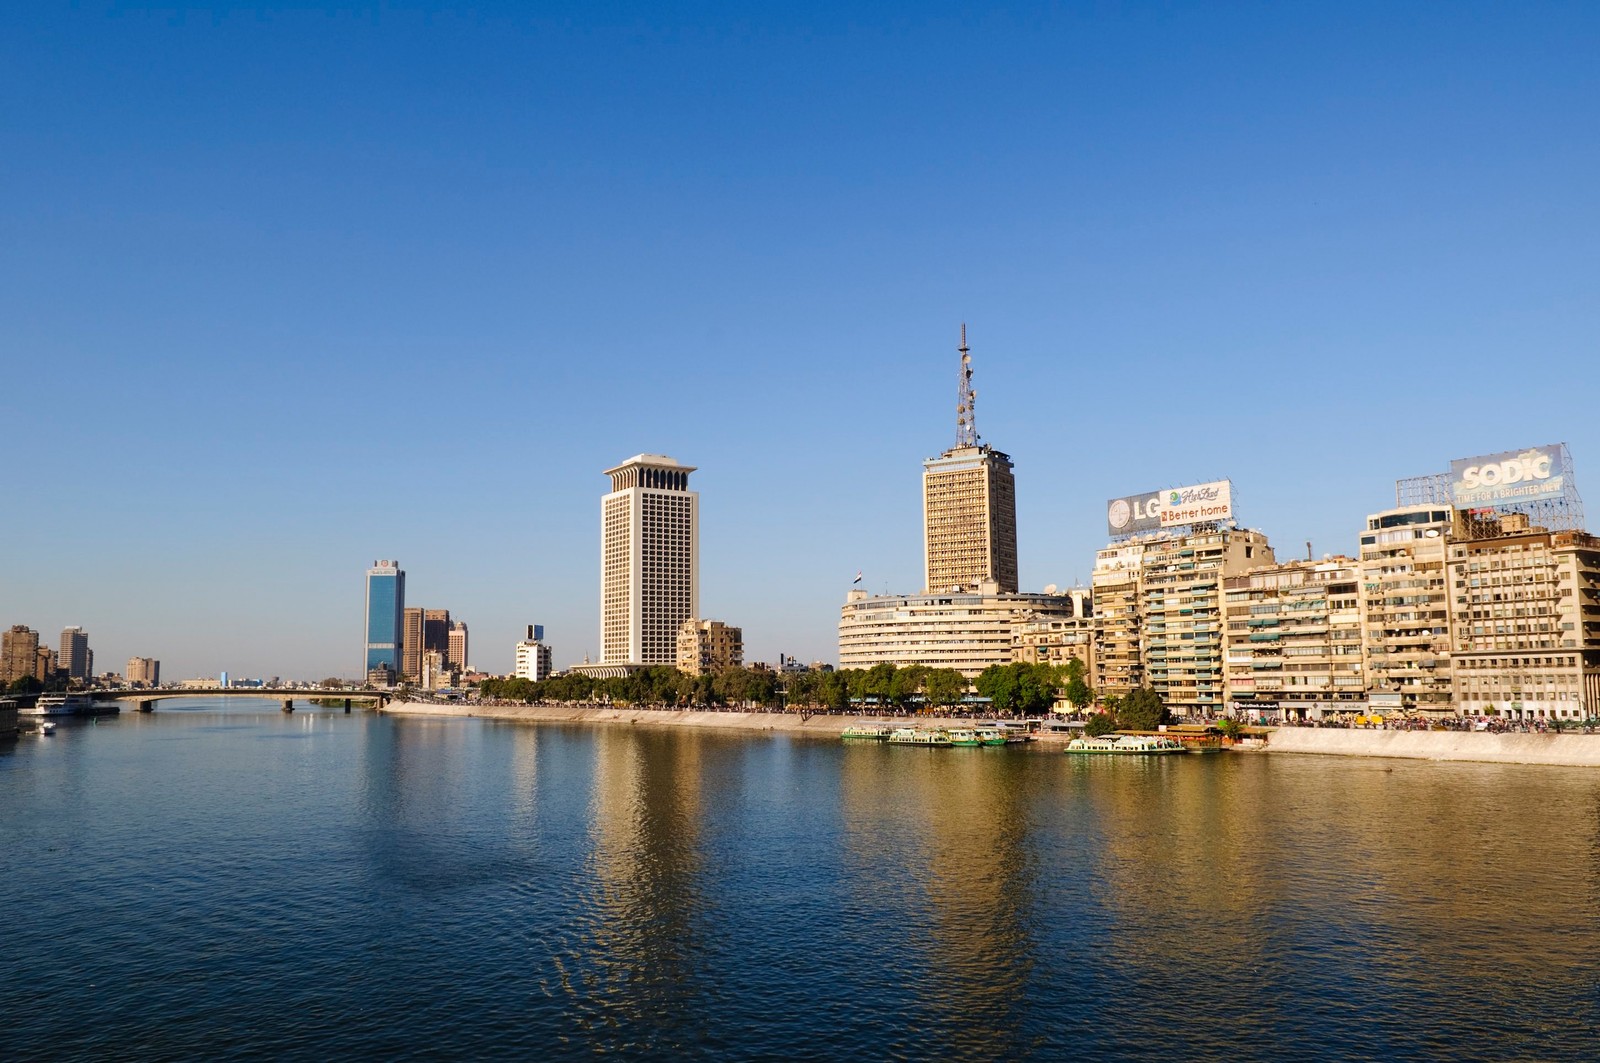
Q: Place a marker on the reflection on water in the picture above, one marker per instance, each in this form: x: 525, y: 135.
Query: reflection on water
x: 384, y: 887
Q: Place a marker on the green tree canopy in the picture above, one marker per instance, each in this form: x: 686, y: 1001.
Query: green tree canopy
x: 1078, y: 691
x: 944, y: 687
x: 1142, y: 710
x: 1101, y: 723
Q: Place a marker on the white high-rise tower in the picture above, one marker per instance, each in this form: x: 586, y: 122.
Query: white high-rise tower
x: 649, y: 560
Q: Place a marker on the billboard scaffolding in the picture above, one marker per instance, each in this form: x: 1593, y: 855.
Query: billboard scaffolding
x: 1537, y: 483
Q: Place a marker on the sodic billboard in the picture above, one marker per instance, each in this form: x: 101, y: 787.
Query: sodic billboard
x: 1151, y: 510
x: 1510, y: 476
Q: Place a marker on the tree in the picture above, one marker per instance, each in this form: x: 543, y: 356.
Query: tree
x: 1014, y: 688
x: 876, y: 682
x: 906, y: 684
x: 1101, y: 723
x: 1078, y: 691
x: 835, y: 692
x: 944, y: 687
x: 1142, y: 710
x: 26, y: 684
x: 999, y: 684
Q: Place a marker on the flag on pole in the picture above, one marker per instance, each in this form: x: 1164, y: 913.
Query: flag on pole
x: 858, y: 577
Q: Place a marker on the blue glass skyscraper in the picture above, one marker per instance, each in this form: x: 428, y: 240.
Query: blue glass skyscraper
x: 386, y: 605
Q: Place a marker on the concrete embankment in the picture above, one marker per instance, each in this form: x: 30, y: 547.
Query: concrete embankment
x: 1568, y: 750
x: 794, y: 722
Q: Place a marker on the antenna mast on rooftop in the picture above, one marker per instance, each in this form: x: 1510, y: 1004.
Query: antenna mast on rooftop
x: 966, y: 398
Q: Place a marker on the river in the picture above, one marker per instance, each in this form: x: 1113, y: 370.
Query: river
x: 220, y: 879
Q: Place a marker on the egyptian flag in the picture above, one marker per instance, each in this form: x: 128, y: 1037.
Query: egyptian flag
x: 858, y: 577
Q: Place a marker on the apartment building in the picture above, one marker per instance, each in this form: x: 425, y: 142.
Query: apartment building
x: 1292, y: 646
x: 1118, y: 660
x: 1405, y: 608
x: 709, y: 645
x: 966, y: 631
x: 1058, y: 639
x: 1525, y: 622
x: 1180, y: 602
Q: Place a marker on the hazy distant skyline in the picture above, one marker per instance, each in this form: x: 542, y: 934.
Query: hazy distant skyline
x: 286, y: 292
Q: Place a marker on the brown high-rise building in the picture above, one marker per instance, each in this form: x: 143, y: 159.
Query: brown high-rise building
x: 969, y: 506
x: 19, y: 653
x: 436, y: 631
x: 411, y: 643
x: 76, y: 658
x: 456, y: 653
x: 423, y: 630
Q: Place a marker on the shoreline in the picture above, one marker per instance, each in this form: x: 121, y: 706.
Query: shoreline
x: 821, y: 725
x: 1553, y: 750
x: 1481, y: 747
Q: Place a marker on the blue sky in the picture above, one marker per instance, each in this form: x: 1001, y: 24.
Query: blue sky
x: 285, y: 290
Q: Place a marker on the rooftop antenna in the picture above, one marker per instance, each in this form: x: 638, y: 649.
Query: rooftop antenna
x: 966, y: 398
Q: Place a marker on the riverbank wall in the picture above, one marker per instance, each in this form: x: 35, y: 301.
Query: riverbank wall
x: 822, y: 725
x: 1582, y: 751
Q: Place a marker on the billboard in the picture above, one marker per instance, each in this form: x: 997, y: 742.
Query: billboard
x: 1531, y: 475
x: 1191, y: 505
x: 1134, y: 513
x: 1151, y: 510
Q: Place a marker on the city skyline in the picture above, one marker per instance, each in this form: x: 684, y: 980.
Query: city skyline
x: 1313, y: 251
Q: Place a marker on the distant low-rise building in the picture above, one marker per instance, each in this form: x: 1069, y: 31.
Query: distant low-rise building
x: 144, y: 672
x: 534, y: 659
x: 964, y: 631
x: 1057, y: 639
x: 709, y: 645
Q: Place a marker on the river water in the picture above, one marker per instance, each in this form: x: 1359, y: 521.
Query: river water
x: 223, y: 880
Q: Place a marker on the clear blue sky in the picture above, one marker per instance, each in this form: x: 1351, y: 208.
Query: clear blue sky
x: 285, y: 291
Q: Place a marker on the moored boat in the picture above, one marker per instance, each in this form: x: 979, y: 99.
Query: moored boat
x: 916, y: 736
x: 1126, y: 745
x: 867, y: 733
x: 964, y: 736
x: 60, y: 705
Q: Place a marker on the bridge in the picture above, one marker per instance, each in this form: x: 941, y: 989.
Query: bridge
x: 289, y: 695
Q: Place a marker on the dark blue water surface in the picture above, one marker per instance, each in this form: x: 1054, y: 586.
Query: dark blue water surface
x: 225, y: 881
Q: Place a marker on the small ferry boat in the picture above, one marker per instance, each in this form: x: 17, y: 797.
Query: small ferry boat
x: 867, y: 733
x: 46, y: 727
x: 1125, y: 745
x: 60, y: 705
x: 992, y: 736
x: 916, y: 736
x: 964, y: 736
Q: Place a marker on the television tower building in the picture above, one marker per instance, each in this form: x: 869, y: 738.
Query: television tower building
x: 969, y: 505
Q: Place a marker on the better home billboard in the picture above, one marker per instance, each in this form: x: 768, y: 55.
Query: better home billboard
x: 1131, y: 514
x: 1510, y: 476
x: 1191, y: 505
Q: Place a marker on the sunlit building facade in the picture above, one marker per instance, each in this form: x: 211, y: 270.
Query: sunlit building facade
x: 649, y: 558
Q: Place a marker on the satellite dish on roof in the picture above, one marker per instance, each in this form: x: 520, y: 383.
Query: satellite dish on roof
x: 1049, y: 588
